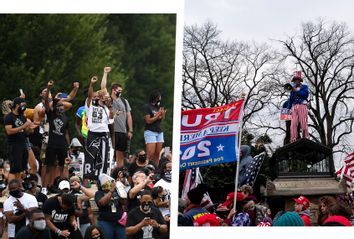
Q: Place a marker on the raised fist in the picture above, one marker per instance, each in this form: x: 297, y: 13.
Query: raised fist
x: 76, y: 85
x: 50, y: 84
x: 107, y: 69
x: 94, y: 79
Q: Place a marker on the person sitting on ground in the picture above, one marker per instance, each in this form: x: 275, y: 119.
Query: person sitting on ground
x: 36, y: 228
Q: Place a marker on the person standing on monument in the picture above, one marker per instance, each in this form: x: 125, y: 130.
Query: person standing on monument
x: 299, y: 110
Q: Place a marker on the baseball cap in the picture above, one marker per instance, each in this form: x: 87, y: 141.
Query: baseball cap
x: 64, y: 185
x: 75, y: 143
x: 302, y: 200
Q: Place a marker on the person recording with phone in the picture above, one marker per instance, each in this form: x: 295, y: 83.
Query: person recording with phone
x: 110, y: 208
x: 145, y: 221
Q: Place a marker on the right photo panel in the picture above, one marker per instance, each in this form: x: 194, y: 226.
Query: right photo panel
x: 267, y: 114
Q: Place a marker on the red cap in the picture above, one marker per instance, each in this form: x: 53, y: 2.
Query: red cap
x: 208, y: 220
x: 302, y: 200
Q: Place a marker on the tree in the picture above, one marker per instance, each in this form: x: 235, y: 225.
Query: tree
x: 147, y: 60
x: 325, y: 53
x: 216, y: 72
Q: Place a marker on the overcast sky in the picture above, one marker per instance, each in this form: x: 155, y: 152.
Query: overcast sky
x: 261, y: 20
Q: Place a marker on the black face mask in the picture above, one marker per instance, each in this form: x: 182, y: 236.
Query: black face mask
x: 146, y: 206
x: 142, y: 158
x: 95, y: 102
x: 118, y: 94
x: 28, y: 185
x: 167, y: 176
x: 21, y: 109
x: 16, y: 193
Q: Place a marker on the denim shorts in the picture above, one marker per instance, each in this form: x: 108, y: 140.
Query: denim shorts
x: 153, y: 137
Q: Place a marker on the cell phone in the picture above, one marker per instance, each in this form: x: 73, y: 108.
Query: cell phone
x: 147, y: 218
x: 21, y: 91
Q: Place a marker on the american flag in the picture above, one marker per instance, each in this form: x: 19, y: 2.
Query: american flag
x: 192, y: 178
x: 254, y: 167
x: 347, y: 171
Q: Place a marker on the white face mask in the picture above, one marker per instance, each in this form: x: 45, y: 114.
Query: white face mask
x: 39, y: 224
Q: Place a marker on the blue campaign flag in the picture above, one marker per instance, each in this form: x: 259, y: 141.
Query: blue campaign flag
x: 210, y: 136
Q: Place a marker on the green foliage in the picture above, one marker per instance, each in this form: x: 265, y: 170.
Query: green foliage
x: 67, y: 48
x: 148, y: 63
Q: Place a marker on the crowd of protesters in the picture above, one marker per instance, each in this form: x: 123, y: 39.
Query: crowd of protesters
x: 329, y: 210
x: 49, y: 177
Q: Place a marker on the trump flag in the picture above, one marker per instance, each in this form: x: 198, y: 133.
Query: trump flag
x: 210, y: 135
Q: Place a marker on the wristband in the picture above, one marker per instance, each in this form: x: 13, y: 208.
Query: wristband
x: 58, y: 232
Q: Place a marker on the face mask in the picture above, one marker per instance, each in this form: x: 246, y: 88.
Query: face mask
x: 158, y: 103
x: 95, y: 102
x: 21, y: 109
x: 118, y: 94
x: 106, y: 186
x: 146, y: 206
x: 142, y: 158
x: 15, y: 193
x: 39, y: 224
x: 167, y: 176
x: 7, y: 169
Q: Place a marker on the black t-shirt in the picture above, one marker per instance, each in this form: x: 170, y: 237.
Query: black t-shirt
x: 41, y: 198
x: 151, y: 110
x: 135, y: 216
x: 84, y: 219
x: 16, y: 121
x: 58, y: 124
x: 111, y: 212
x: 60, y: 217
x: 27, y: 233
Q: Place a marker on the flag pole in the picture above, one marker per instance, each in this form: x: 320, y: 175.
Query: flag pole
x: 243, y: 95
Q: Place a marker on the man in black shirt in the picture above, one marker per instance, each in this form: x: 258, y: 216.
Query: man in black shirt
x: 145, y: 221
x: 36, y: 229
x: 60, y: 217
x: 15, y: 127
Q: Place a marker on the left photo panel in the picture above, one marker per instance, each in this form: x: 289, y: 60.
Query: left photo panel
x: 86, y: 135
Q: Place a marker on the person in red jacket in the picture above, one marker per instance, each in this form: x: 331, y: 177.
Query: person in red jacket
x: 301, y: 207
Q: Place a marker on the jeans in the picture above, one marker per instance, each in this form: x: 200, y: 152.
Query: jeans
x: 83, y: 228
x: 112, y: 230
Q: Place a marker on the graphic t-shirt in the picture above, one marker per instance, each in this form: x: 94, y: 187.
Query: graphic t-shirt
x: 135, y: 216
x: 60, y: 217
x: 81, y: 113
x: 151, y: 110
x: 28, y: 201
x: 16, y: 121
x: 97, y: 118
x: 58, y: 125
x: 111, y: 212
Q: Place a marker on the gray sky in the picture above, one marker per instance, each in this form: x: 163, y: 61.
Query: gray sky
x: 261, y: 20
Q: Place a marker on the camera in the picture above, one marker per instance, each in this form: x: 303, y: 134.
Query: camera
x: 289, y: 86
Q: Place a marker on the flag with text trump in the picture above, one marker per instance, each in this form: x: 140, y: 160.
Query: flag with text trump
x: 210, y: 135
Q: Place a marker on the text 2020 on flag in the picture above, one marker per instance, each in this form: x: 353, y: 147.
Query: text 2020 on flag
x: 210, y: 135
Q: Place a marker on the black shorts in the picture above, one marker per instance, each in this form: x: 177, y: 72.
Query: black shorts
x: 54, y: 156
x: 121, y: 141
x: 18, y: 157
